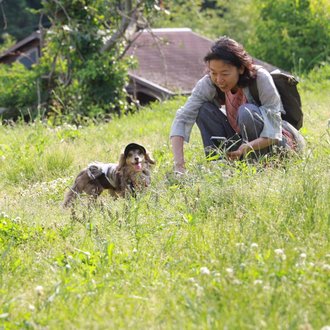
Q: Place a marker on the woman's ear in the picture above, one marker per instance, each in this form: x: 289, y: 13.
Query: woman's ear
x: 149, y: 159
x: 241, y: 69
x: 121, y: 163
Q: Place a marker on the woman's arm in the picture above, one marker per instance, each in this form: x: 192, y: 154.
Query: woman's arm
x: 185, y: 117
x: 177, y: 148
x: 257, y: 144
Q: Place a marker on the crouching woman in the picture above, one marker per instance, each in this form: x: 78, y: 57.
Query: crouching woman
x: 246, y: 126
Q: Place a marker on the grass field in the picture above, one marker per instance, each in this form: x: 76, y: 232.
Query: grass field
x: 235, y: 246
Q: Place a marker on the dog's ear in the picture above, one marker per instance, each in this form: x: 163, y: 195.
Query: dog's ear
x: 149, y: 159
x: 121, y: 163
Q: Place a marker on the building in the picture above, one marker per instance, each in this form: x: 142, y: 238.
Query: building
x: 26, y: 51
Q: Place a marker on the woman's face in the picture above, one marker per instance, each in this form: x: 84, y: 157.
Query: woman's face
x: 224, y: 75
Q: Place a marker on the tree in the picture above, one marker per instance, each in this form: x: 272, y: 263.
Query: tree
x: 81, y: 71
x: 293, y: 34
x: 17, y: 19
x: 212, y: 18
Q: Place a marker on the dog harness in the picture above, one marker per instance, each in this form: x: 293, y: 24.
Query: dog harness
x: 105, y: 173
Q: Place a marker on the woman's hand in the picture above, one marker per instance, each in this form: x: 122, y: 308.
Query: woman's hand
x: 179, y: 169
x: 257, y: 144
x: 240, y: 152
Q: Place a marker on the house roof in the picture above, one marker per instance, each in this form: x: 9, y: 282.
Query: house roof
x: 171, y: 59
x: 11, y: 55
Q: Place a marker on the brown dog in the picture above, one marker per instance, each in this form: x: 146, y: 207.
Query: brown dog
x: 131, y: 174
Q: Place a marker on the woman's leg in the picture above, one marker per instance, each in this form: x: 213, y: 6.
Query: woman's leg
x: 250, y: 121
x: 213, y: 122
x: 251, y: 124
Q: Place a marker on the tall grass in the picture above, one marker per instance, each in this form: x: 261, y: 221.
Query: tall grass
x: 228, y: 246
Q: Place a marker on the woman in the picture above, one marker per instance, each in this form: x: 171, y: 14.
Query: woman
x: 246, y: 126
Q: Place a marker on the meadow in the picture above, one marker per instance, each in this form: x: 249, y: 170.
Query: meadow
x: 227, y: 246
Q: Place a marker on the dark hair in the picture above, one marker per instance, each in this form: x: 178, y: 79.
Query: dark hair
x: 231, y: 52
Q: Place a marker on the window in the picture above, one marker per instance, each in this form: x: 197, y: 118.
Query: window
x: 29, y: 57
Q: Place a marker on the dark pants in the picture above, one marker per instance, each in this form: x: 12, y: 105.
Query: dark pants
x: 213, y: 122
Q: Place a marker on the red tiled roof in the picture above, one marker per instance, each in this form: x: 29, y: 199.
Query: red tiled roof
x: 170, y: 58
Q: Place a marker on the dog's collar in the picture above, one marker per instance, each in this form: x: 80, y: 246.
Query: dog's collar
x: 107, y: 173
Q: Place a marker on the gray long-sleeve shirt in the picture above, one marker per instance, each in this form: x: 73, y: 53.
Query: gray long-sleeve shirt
x: 205, y: 91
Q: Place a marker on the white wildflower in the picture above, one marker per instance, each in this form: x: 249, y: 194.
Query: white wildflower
x: 39, y: 290
x: 280, y: 253
x: 199, y: 289
x: 256, y: 282
x: 254, y: 245
x: 326, y: 267
x: 205, y: 271
x: 66, y: 28
x: 303, y: 256
x: 326, y: 327
x: 230, y: 271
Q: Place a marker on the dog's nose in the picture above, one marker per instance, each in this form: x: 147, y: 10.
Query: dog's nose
x: 136, y: 159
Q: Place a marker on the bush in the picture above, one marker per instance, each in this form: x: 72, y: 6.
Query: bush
x: 294, y: 35
x: 74, y: 78
x: 18, y: 90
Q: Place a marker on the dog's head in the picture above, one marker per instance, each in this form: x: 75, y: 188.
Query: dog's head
x: 135, y: 157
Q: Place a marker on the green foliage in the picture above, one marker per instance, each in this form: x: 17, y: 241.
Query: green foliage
x: 18, y: 90
x: 318, y: 79
x: 75, y: 78
x: 7, y: 42
x: 294, y: 35
x: 222, y: 18
x: 85, y: 81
